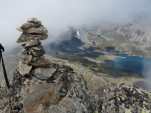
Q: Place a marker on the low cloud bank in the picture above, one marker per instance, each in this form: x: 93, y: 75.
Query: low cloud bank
x: 58, y: 15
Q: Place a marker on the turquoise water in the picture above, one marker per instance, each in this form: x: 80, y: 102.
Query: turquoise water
x: 131, y: 64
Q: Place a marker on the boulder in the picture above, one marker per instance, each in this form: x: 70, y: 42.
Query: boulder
x: 44, y: 73
x: 41, y: 96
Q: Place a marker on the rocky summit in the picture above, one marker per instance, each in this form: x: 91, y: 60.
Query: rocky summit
x: 39, y: 83
x: 44, y: 84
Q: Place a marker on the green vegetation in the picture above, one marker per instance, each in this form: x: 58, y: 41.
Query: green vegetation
x: 101, y: 58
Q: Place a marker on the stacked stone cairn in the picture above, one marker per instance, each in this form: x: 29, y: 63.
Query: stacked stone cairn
x: 38, y: 82
x: 33, y: 55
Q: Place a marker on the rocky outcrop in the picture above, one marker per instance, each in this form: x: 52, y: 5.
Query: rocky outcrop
x: 123, y: 99
x: 40, y: 93
x: 39, y: 84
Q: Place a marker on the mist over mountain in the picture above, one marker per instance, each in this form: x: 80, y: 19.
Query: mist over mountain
x: 59, y: 15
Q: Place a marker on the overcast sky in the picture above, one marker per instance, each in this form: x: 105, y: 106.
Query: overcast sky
x: 59, y: 14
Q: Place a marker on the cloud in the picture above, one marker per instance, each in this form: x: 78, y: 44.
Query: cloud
x: 59, y: 14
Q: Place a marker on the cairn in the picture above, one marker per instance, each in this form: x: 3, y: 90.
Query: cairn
x: 40, y: 84
x: 33, y: 55
x: 36, y: 73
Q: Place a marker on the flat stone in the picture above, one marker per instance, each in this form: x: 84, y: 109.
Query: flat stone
x: 33, y: 22
x: 23, y: 69
x: 38, y: 30
x: 41, y: 62
x: 28, y: 37
x: 31, y: 43
x: 32, y: 30
x: 37, y: 52
x: 26, y: 26
x: 43, y: 73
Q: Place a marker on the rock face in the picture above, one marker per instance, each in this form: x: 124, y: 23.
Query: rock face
x: 40, y: 93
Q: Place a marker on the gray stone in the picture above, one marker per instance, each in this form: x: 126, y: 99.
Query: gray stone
x: 37, y: 30
x: 33, y: 22
x: 27, y: 59
x: 44, y: 73
x: 40, y: 62
x: 31, y: 43
x: 32, y: 30
x: 23, y: 69
x: 55, y: 109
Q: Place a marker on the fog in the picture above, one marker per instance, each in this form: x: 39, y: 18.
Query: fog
x: 58, y: 15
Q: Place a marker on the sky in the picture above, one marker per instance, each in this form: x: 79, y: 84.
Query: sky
x: 58, y: 15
